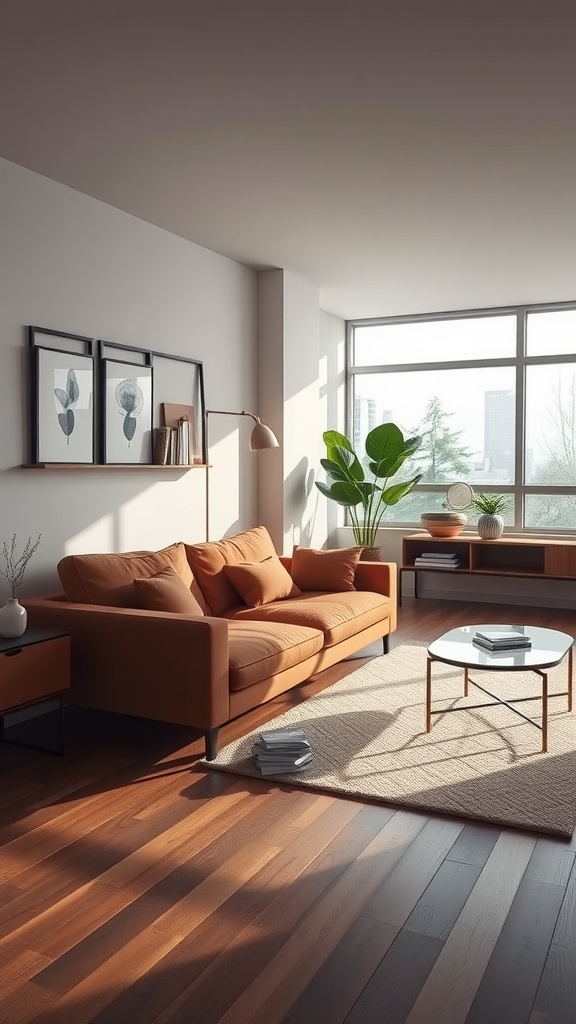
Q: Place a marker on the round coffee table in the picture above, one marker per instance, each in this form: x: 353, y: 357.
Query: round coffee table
x: 548, y: 648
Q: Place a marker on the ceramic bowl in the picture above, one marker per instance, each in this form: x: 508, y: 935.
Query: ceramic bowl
x: 443, y: 524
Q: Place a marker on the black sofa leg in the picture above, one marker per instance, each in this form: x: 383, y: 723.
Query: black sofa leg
x: 386, y: 643
x: 211, y: 744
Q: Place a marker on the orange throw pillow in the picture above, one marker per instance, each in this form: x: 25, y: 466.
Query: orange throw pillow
x: 332, y: 570
x: 165, y: 592
x: 107, y: 578
x: 261, y: 582
x: 207, y: 563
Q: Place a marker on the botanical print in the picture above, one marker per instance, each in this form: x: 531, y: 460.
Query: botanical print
x: 128, y: 412
x: 64, y: 407
x: 67, y: 399
x: 131, y: 400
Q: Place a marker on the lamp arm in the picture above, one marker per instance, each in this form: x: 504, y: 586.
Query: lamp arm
x: 269, y: 441
x: 228, y: 412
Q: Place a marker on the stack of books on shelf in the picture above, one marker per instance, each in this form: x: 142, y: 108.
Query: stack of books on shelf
x: 501, y: 641
x: 279, y: 751
x: 437, y: 560
x: 173, y: 445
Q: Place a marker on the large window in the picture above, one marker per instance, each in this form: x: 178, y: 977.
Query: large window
x: 492, y: 392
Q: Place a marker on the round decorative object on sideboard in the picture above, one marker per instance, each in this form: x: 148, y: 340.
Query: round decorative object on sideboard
x: 13, y: 618
x: 490, y: 527
x: 443, y: 524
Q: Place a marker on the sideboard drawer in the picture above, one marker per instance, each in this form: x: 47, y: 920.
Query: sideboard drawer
x: 34, y: 671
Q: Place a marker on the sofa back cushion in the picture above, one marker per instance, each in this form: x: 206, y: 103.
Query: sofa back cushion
x: 207, y: 563
x: 165, y: 592
x: 259, y: 583
x: 331, y: 570
x: 107, y: 578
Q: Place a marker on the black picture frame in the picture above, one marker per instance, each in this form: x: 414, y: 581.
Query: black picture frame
x: 126, y: 390
x: 62, y: 413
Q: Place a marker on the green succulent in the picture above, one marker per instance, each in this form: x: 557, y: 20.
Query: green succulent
x: 491, y: 504
x: 366, y: 490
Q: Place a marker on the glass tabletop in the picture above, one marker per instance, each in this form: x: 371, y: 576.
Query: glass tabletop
x: 548, y: 647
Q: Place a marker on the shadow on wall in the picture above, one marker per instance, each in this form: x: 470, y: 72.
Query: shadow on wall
x: 300, y: 510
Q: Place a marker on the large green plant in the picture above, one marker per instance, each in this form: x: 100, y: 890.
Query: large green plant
x: 365, y: 490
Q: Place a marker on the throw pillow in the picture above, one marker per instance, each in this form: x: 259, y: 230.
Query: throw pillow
x: 165, y: 592
x: 106, y: 578
x: 331, y: 570
x: 207, y: 561
x: 261, y: 582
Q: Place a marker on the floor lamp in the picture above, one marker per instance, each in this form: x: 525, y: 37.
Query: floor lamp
x: 260, y: 438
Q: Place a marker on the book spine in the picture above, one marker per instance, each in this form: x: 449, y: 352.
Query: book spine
x: 161, y: 446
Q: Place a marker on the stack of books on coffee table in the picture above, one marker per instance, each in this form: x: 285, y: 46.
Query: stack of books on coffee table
x: 437, y: 560
x: 494, y: 640
x: 282, y: 751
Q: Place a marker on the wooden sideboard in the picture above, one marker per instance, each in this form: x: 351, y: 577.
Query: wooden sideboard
x: 513, y: 556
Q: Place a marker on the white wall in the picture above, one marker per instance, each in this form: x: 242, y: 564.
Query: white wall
x: 71, y: 263
x: 293, y: 400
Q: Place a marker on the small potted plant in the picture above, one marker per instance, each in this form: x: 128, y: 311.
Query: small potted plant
x: 13, y: 617
x: 490, y: 523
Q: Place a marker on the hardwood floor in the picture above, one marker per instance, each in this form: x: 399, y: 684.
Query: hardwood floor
x: 135, y: 887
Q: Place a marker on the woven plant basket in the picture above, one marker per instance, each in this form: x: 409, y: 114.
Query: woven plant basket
x: 371, y: 555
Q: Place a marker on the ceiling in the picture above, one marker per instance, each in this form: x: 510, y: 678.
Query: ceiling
x: 402, y: 155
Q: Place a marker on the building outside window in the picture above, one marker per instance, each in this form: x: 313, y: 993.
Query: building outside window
x: 492, y: 392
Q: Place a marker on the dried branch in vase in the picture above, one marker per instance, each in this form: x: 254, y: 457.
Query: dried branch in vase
x: 14, y: 565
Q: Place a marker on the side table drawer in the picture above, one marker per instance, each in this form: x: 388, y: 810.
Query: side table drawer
x: 34, y: 671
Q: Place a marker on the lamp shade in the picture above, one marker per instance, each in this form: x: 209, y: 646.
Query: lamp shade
x: 262, y: 437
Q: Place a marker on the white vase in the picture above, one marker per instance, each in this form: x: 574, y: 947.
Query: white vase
x: 490, y: 527
x: 13, y: 618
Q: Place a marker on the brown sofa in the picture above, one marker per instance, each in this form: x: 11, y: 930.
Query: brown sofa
x: 198, y: 634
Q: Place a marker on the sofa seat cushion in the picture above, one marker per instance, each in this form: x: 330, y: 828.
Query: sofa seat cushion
x: 108, y: 578
x: 259, y: 650
x: 339, y: 616
x: 207, y: 561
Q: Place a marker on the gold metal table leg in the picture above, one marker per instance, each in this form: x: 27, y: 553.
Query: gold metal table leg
x: 570, y: 657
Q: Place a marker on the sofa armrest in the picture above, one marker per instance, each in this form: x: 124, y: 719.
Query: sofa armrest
x: 380, y: 578
x: 172, y: 668
x: 377, y: 577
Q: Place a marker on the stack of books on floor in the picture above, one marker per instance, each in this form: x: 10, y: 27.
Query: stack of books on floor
x: 501, y: 641
x: 437, y: 560
x: 279, y: 751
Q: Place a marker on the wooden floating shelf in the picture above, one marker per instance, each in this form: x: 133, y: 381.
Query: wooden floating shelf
x: 112, y: 465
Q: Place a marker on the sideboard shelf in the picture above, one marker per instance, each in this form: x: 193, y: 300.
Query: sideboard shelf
x: 112, y: 465
x: 550, y: 558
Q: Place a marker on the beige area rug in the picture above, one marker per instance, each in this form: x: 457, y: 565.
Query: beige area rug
x: 368, y: 737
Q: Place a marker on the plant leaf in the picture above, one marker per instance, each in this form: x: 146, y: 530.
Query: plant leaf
x: 72, y: 387
x: 384, y: 442
x: 129, y: 427
x: 66, y: 421
x: 346, y: 461
x: 393, y: 494
x: 342, y: 491
x: 333, y: 469
x: 62, y: 397
x: 334, y: 439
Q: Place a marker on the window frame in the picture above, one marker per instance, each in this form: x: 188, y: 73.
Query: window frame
x: 520, y: 361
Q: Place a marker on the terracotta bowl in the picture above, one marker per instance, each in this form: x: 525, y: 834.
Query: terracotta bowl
x: 443, y: 524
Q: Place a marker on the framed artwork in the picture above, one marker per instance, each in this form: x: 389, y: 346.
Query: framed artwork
x: 126, y: 390
x: 62, y: 401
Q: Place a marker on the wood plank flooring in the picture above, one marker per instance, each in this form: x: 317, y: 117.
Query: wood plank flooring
x: 135, y: 887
